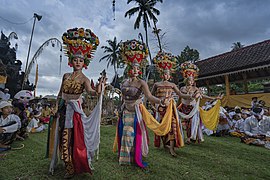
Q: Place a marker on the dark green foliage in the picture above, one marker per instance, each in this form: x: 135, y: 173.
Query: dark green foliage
x: 188, y: 55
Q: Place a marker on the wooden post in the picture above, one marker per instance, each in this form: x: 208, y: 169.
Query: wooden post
x: 245, y: 86
x: 208, y: 88
x: 227, y: 84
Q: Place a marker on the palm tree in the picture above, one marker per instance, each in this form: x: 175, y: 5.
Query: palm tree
x: 237, y: 45
x: 112, y: 54
x: 146, y: 11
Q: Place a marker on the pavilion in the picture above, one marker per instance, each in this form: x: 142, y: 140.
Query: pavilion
x: 242, y: 65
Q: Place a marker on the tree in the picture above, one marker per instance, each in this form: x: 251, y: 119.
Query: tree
x: 112, y: 54
x: 146, y: 11
x: 188, y: 55
x: 237, y: 46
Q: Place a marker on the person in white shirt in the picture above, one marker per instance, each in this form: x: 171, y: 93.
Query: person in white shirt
x: 9, y: 125
x: 34, y: 124
x: 257, y: 129
x: 238, y: 130
x: 6, y: 95
x: 254, y: 102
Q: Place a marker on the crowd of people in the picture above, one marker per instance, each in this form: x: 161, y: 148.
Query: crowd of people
x: 251, y: 125
x: 19, y: 119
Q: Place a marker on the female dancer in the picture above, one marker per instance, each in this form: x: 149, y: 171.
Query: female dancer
x: 78, y: 134
x: 165, y: 63
x: 131, y: 133
x: 189, y: 107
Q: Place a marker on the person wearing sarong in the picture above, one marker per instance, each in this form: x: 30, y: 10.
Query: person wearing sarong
x: 78, y: 134
x: 257, y: 129
x: 165, y: 63
x: 9, y: 125
x: 189, y: 107
x: 131, y: 134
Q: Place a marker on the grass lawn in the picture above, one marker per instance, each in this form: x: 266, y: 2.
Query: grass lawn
x: 216, y: 158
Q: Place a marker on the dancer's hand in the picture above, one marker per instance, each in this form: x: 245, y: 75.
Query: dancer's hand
x: 220, y: 96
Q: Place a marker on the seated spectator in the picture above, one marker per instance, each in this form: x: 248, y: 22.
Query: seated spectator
x: 257, y: 129
x: 9, y: 125
x: 239, y: 125
x: 237, y: 110
x: 254, y: 102
x: 34, y: 124
x: 223, y: 125
x: 45, y: 114
x: 20, y: 111
x: 233, y: 121
x: 6, y: 95
x: 261, y: 104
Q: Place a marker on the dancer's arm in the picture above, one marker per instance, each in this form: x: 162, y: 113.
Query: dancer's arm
x: 180, y: 94
x: 148, y: 94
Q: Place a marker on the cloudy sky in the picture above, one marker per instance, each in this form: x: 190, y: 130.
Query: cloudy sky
x: 210, y: 26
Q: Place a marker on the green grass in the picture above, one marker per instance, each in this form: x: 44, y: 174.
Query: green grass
x: 216, y: 158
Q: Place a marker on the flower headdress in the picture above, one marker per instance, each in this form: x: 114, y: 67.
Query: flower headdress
x: 189, y: 70
x: 80, y: 42
x: 165, y: 62
x: 133, y: 53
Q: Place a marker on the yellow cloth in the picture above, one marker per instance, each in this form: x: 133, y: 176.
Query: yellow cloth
x: 160, y: 129
x: 243, y: 100
x: 3, y: 79
x: 210, y: 118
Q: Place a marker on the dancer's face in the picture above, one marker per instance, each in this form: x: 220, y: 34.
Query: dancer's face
x: 77, y: 63
x: 166, y: 75
x: 135, y: 71
x: 190, y: 81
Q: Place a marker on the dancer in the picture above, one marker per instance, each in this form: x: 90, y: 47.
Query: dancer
x: 189, y: 107
x: 131, y: 134
x: 166, y: 63
x: 78, y: 134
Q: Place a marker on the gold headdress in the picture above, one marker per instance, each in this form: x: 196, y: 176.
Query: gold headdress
x: 165, y: 61
x: 80, y: 42
x: 189, y: 70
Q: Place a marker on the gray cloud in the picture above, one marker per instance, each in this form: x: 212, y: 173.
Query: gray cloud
x: 210, y: 26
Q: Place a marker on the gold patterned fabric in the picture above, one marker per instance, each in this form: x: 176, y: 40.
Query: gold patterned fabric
x: 71, y: 86
x: 162, y: 91
x: 66, y: 145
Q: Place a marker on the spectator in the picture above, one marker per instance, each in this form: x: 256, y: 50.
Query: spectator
x: 45, y: 114
x: 254, y: 102
x: 35, y: 125
x: 6, y: 95
x: 239, y: 125
x: 9, y: 125
x: 257, y: 129
x: 223, y: 125
x: 20, y: 111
